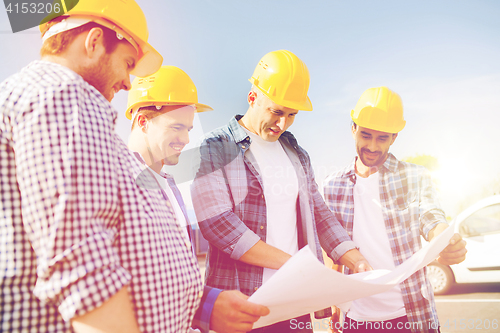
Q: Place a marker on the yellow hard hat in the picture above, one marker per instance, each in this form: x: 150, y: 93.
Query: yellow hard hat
x: 123, y: 16
x: 284, y: 78
x: 379, y: 109
x: 169, y: 86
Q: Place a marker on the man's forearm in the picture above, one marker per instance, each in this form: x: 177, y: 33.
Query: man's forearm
x: 355, y: 261
x: 265, y: 255
x: 114, y: 315
x: 439, y: 228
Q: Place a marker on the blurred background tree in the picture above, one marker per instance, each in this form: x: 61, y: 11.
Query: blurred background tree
x: 428, y: 161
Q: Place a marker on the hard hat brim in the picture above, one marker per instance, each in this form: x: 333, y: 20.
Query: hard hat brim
x: 149, y: 60
x: 306, y: 106
x: 202, y: 107
x: 379, y: 127
x: 149, y: 63
x: 199, y: 107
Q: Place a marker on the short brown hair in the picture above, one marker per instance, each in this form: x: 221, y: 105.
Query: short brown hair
x: 149, y: 112
x: 58, y: 43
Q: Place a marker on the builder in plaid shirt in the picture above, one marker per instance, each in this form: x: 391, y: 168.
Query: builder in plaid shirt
x: 255, y: 197
x: 84, y: 248
x: 386, y: 205
x: 161, y: 107
x: 65, y: 188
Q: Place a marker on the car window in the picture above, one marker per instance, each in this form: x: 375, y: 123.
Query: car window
x: 482, y: 222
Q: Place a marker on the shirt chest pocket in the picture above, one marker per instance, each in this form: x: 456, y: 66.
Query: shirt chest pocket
x: 404, y: 202
x: 403, y: 209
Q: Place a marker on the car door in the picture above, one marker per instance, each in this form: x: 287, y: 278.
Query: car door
x: 481, y: 230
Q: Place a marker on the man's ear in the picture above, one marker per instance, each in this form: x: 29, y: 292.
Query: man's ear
x: 353, y: 129
x: 142, y: 122
x: 394, y: 136
x: 252, y: 97
x: 94, y: 42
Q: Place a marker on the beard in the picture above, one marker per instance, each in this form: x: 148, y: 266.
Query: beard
x: 99, y: 76
x: 382, y: 156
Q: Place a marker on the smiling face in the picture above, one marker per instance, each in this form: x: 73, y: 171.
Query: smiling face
x: 168, y: 133
x: 111, y: 72
x: 266, y: 118
x: 372, y: 147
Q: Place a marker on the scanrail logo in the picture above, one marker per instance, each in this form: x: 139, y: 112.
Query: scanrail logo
x: 25, y: 14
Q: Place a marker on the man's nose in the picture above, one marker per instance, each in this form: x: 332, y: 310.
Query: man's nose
x: 372, y: 145
x: 281, y: 123
x: 126, y: 85
x: 184, y: 137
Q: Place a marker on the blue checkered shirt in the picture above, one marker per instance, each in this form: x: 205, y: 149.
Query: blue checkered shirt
x: 75, y: 226
x: 410, y: 209
x: 231, y: 210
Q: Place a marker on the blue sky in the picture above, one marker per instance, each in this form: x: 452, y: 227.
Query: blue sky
x: 442, y: 57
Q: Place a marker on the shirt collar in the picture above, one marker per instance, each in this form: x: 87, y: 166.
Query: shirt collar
x: 78, y: 78
x: 162, y: 173
x: 241, y: 136
x: 237, y: 130
x: 390, y: 165
x: 350, y: 170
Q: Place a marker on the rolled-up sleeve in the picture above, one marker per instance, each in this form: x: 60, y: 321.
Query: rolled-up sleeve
x: 431, y: 213
x: 214, y: 200
x: 202, y: 316
x: 332, y: 235
x: 64, y: 150
x: 228, y: 233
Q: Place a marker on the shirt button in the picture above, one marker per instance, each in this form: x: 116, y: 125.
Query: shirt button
x: 255, y: 289
x: 200, y: 294
x: 188, y: 244
x: 261, y: 227
x: 243, y: 147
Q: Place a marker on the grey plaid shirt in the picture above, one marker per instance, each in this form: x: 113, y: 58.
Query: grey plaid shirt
x: 231, y: 209
x: 410, y: 209
x: 75, y: 226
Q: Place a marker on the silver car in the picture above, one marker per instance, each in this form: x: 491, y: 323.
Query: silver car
x: 479, y: 225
